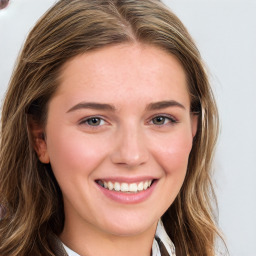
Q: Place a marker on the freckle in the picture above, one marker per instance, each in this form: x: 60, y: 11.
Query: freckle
x: 3, y: 4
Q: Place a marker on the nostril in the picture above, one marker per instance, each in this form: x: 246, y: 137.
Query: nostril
x: 3, y: 4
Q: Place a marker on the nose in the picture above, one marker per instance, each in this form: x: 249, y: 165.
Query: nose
x: 130, y: 148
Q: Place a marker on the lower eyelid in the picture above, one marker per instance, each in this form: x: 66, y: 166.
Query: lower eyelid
x: 170, y: 118
x: 86, y: 120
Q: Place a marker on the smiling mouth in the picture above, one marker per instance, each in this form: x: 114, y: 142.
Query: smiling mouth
x: 125, y: 187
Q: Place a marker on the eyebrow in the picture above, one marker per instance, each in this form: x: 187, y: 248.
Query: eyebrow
x: 92, y: 105
x: 164, y: 104
x: 103, y: 106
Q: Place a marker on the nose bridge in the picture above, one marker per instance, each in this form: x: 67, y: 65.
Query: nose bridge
x: 130, y: 148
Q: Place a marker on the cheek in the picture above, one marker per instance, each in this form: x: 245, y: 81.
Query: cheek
x: 173, y: 153
x: 72, y: 153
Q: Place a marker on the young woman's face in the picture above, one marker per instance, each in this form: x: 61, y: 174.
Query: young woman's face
x: 118, y: 137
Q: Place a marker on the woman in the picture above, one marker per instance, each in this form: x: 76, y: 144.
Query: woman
x: 108, y: 131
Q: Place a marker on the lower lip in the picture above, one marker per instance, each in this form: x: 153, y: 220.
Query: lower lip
x: 128, y: 198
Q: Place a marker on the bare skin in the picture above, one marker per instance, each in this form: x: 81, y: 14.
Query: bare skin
x: 121, y: 115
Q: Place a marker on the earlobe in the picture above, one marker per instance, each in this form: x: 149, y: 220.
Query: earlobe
x: 41, y: 150
x: 37, y: 139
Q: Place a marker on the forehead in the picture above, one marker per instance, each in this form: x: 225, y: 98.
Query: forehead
x: 134, y: 71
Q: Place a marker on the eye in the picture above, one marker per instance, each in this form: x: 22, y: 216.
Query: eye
x: 93, y: 121
x: 162, y: 120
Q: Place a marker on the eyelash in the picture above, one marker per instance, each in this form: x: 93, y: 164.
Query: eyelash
x: 88, y: 119
x: 168, y: 120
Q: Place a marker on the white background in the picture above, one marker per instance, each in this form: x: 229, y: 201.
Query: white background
x: 225, y: 32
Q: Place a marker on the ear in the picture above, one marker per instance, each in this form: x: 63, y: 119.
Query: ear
x: 194, y: 123
x: 37, y: 138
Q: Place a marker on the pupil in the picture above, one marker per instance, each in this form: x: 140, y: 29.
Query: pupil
x: 94, y: 121
x: 159, y: 120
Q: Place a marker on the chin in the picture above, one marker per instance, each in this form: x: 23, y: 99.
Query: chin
x: 130, y: 227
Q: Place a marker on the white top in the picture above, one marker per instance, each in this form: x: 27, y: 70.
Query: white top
x: 69, y: 251
x: 160, y: 233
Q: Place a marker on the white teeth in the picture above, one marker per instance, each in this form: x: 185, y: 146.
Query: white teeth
x: 117, y: 186
x: 145, y: 185
x: 133, y: 187
x: 110, y: 185
x: 125, y: 187
x: 140, y: 186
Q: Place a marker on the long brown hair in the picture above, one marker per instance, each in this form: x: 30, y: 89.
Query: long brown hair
x: 31, y: 199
